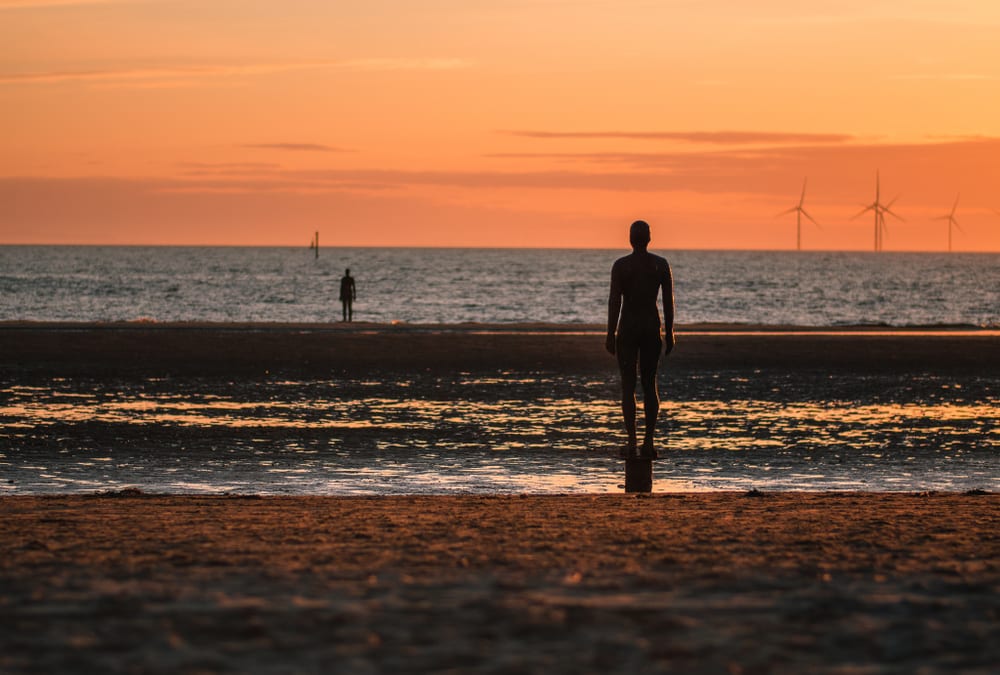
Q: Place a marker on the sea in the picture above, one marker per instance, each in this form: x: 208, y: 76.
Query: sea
x: 502, y: 433
x: 420, y: 285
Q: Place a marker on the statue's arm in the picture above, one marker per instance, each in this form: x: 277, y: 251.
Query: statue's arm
x: 668, y: 311
x: 614, y: 309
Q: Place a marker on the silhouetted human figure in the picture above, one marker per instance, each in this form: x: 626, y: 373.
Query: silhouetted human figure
x: 634, y: 330
x: 348, y: 294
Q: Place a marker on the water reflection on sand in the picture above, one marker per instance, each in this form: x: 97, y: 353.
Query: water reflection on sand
x: 506, y: 432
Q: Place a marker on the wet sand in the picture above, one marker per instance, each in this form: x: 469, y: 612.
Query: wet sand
x: 723, y: 582
x: 353, y: 349
x: 404, y: 409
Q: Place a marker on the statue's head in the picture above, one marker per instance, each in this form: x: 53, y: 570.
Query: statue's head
x: 638, y: 234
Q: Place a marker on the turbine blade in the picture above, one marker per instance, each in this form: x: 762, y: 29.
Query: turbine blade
x: 811, y: 219
x: 785, y: 213
x: 955, y: 206
x: 958, y: 226
x: 889, y: 205
x: 869, y: 208
x: 893, y: 214
x: 802, y: 199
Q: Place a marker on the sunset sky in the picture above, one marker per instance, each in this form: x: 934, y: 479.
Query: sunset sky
x: 489, y: 123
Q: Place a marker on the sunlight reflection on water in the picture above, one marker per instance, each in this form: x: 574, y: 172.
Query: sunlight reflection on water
x: 509, y: 433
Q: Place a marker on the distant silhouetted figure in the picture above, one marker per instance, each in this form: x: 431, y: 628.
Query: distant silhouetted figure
x: 348, y: 294
x: 634, y: 330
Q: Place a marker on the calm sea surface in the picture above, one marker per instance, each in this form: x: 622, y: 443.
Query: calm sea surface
x: 78, y: 283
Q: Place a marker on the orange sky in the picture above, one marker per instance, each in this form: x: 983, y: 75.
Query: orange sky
x: 473, y: 123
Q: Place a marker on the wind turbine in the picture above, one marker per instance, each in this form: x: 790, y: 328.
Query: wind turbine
x: 799, y: 212
x: 951, y: 221
x: 879, y: 209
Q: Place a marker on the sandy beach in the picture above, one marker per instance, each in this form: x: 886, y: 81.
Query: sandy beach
x: 722, y: 582
x: 350, y: 349
x: 725, y: 581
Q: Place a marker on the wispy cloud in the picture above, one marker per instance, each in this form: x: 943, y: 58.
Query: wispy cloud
x: 754, y: 154
x: 948, y: 77
x: 842, y: 12
x: 701, y: 137
x: 296, y: 147
x: 403, y: 64
x: 32, y: 4
x: 146, y: 74
x: 188, y: 73
x: 842, y: 174
x: 761, y: 171
x: 227, y: 167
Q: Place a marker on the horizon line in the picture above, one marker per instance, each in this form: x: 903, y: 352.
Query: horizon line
x: 498, y: 248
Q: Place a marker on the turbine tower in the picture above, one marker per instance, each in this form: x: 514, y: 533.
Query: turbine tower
x: 879, y: 209
x: 799, y: 211
x: 951, y: 221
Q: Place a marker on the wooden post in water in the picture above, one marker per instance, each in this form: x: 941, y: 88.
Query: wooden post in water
x: 316, y: 245
x: 638, y: 474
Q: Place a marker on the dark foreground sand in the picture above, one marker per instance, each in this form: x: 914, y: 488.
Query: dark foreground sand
x: 719, y: 582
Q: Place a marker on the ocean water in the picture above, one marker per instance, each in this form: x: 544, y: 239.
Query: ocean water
x: 85, y: 283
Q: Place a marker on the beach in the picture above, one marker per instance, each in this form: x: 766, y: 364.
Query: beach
x: 452, y: 503
x: 138, y: 348
x: 723, y: 582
